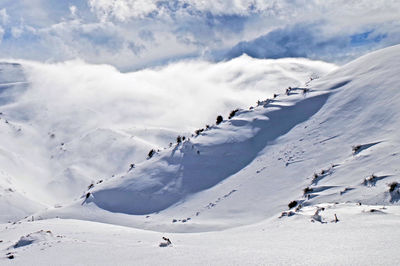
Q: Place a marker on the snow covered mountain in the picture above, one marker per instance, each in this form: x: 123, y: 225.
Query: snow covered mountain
x: 306, y: 176
x: 68, y: 125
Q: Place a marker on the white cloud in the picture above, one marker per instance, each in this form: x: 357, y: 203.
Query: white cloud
x: 122, y: 9
x: 180, y: 97
x: 1, y: 34
x: 138, y: 33
x: 232, y: 7
x: 73, y: 10
x: 4, y: 18
x: 16, y: 32
x: 129, y: 9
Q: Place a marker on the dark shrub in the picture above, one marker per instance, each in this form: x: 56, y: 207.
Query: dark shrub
x: 392, y: 186
x: 292, y: 204
x: 307, y: 190
x: 356, y: 148
x: 233, y: 113
x: 219, y: 119
x: 151, y: 153
x: 198, y: 131
x: 168, y: 240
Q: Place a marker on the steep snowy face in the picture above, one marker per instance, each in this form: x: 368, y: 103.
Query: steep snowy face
x: 66, y: 126
x: 360, y: 113
x: 333, y: 140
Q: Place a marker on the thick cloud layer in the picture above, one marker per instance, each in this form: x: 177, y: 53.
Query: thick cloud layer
x: 179, y: 97
x: 133, y: 34
x: 305, y: 40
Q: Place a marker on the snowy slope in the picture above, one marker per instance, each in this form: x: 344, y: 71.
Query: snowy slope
x: 361, y: 237
x: 250, y: 167
x: 73, y: 124
x: 13, y: 153
x: 330, y: 144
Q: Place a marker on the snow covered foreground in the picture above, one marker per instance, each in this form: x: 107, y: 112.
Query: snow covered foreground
x: 361, y: 237
x: 331, y: 145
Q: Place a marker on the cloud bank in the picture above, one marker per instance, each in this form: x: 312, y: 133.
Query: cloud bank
x: 308, y: 40
x: 131, y: 34
x: 179, y: 97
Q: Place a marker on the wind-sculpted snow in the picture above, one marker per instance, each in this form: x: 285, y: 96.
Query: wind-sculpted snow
x: 196, y: 165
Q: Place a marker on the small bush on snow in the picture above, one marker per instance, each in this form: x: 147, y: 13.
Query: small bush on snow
x: 233, y: 113
x: 219, y: 119
x: 166, y: 243
x: 356, y: 148
x: 315, y: 176
x: 307, y: 190
x: 151, y: 153
x: 370, y: 181
x: 198, y: 131
x: 393, y: 186
x: 292, y: 204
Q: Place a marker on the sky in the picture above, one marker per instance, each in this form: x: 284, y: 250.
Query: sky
x: 134, y: 34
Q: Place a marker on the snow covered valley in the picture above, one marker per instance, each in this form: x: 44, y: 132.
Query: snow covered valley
x: 306, y: 175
